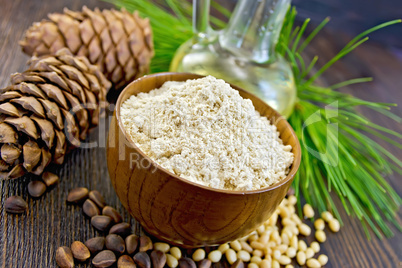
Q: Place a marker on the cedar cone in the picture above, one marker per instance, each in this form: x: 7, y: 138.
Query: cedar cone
x: 118, y: 41
x: 47, y: 109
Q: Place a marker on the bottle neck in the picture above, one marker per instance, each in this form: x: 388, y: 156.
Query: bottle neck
x: 253, y: 30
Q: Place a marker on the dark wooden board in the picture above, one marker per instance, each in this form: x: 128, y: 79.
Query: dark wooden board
x: 30, y: 240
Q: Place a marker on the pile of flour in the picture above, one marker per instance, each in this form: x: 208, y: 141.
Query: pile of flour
x: 204, y: 131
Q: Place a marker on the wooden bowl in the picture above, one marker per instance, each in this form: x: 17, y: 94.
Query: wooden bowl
x: 177, y: 210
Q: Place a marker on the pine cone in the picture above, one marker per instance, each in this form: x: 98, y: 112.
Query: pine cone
x: 46, y: 110
x: 118, y: 41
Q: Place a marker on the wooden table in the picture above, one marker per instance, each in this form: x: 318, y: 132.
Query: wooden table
x: 31, y: 240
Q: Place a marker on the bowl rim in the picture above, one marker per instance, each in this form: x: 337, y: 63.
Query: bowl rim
x: 292, y: 172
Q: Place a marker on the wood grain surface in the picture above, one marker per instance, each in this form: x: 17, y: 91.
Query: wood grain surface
x: 30, y: 240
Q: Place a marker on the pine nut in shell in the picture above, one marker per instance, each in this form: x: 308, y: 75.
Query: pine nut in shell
x: 112, y: 213
x: 101, y: 223
x: 142, y: 260
x: 15, y: 205
x: 80, y: 251
x: 64, y: 257
x: 97, y: 197
x: 158, y: 259
x: 205, y: 263
x: 49, y: 178
x: 187, y: 263
x: 125, y: 261
x: 36, y: 188
x: 115, y: 243
x: 90, y: 208
x: 105, y: 258
x: 238, y: 264
x: 131, y: 243
x: 95, y: 244
x: 145, y: 243
x: 122, y: 229
x: 77, y: 195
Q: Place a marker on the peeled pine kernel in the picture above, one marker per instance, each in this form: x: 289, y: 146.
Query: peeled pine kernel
x: 261, y: 229
x: 243, y: 255
x: 235, y: 245
x: 199, y: 254
x: 276, y: 254
x: 294, y: 242
x: 171, y: 261
x: 231, y: 256
x: 292, y: 200
x: 252, y: 265
x: 245, y: 246
x: 164, y: 247
x: 313, y: 263
x: 334, y: 225
x: 285, y: 238
x: 308, y: 211
x: 309, y: 253
x: 319, y: 224
x: 301, y: 258
x: 320, y: 236
x: 215, y: 256
x: 288, y: 221
x: 175, y: 252
x: 255, y: 259
x: 222, y: 248
x: 258, y: 253
x: 253, y: 237
x: 265, y: 264
x: 291, y: 252
x: 323, y: 259
x: 275, y: 264
x: 284, y: 260
x: 304, y: 229
x: 289, y: 266
x: 264, y: 238
x: 282, y: 248
x: 315, y: 246
x: 296, y: 219
x: 257, y: 245
x: 302, y: 245
x: 327, y: 216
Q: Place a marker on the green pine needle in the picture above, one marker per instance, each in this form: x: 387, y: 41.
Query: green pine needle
x: 351, y: 164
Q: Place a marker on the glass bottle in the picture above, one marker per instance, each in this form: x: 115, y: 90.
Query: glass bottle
x: 244, y: 52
